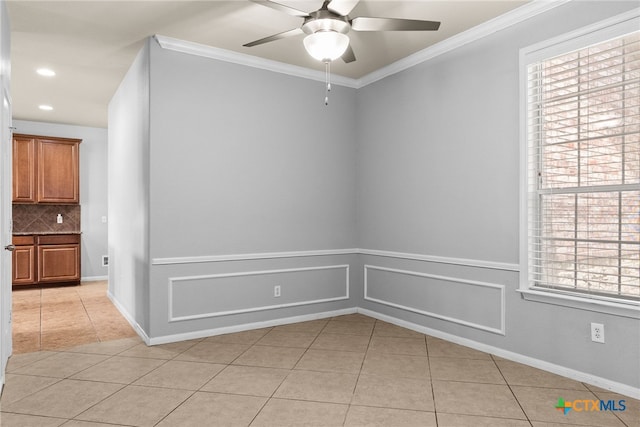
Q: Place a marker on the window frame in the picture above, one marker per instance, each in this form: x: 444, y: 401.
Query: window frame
x: 583, y: 37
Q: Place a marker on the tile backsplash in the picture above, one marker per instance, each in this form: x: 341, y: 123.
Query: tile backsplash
x: 42, y: 218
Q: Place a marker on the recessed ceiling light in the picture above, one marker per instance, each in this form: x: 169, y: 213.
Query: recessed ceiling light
x: 45, y: 107
x: 46, y: 72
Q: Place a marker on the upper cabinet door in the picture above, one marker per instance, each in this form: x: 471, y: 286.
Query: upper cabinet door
x: 24, y: 169
x: 46, y: 169
x: 58, y: 171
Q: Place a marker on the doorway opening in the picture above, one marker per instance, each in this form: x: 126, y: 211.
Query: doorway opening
x: 53, y: 318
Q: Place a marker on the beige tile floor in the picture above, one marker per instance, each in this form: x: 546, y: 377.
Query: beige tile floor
x: 345, y: 371
x: 59, y: 317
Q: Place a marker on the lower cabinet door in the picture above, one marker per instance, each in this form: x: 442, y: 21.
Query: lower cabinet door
x: 24, y: 266
x: 58, y: 263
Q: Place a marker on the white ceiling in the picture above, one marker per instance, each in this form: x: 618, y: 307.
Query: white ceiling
x: 91, y: 44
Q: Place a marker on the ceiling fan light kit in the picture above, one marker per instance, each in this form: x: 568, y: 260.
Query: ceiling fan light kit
x: 326, y: 45
x: 327, y: 29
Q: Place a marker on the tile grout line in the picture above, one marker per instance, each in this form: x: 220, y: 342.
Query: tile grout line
x: 93, y: 325
x: 193, y: 392
x: 275, y: 390
x: 355, y: 387
x: 165, y: 361
x: 366, y: 351
x: 37, y: 391
x: 75, y: 417
x: 291, y: 370
x: 433, y: 393
x: 511, y: 390
x: 240, y: 355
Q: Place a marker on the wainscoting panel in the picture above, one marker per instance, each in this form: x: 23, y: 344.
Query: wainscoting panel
x: 480, y: 305
x: 213, y: 295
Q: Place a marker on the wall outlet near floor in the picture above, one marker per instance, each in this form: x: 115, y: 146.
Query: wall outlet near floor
x: 597, y: 332
x: 276, y: 291
x: 105, y: 260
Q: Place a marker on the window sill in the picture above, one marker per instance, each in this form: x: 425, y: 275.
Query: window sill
x: 599, y: 305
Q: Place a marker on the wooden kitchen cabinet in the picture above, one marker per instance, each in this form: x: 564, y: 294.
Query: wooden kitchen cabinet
x: 46, y: 170
x: 58, y: 171
x: 24, y: 169
x: 58, y: 258
x: 24, y: 260
x: 46, y: 259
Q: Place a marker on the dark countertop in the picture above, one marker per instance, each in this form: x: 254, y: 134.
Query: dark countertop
x: 44, y: 233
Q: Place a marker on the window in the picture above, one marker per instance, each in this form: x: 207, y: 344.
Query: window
x: 582, y: 163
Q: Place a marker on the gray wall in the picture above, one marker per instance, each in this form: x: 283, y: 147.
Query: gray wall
x: 211, y: 159
x: 128, y: 193
x: 93, y: 188
x: 246, y: 161
x: 438, y: 176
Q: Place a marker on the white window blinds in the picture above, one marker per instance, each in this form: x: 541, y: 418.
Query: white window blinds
x: 583, y: 161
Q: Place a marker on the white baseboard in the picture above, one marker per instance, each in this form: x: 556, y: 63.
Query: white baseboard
x: 573, y: 374
x: 249, y: 326
x: 136, y: 327
x: 94, y: 278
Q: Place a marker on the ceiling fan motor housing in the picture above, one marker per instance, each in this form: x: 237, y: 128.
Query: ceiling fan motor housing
x: 326, y: 29
x: 325, y: 20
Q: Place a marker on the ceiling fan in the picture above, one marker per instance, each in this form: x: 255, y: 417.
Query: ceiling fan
x: 327, y: 28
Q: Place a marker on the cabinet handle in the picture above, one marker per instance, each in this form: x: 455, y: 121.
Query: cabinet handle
x: 10, y: 248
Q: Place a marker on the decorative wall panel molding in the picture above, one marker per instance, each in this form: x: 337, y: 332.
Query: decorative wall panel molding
x: 251, y: 256
x: 480, y: 305
x: 214, y: 295
x: 493, y: 265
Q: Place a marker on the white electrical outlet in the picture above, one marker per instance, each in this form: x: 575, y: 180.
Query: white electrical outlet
x: 59, y: 219
x: 276, y: 291
x: 597, y: 332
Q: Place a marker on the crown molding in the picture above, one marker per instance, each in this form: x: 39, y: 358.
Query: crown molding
x: 249, y: 60
x: 501, y: 22
x: 485, y: 29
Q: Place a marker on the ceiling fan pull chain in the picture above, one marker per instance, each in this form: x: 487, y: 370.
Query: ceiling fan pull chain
x: 327, y: 79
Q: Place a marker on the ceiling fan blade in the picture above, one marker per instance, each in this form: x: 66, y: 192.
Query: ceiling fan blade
x: 392, y: 24
x: 282, y: 8
x: 290, y: 33
x: 342, y: 7
x: 348, y: 55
